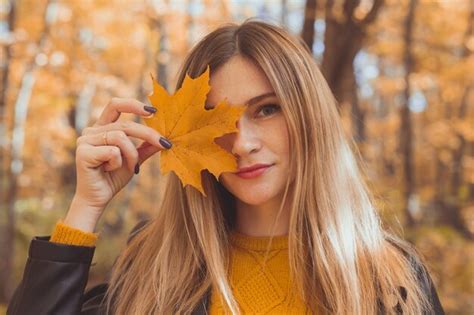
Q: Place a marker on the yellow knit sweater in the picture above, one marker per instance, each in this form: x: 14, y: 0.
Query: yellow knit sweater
x: 259, y: 287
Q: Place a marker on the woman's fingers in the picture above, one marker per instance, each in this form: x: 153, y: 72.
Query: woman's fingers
x: 117, y: 106
x: 117, y: 139
x: 111, y: 155
x: 95, y: 156
x: 131, y: 129
x: 117, y: 143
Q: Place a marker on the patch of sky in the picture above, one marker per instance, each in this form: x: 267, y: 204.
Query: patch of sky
x: 320, y: 26
x: 4, y: 32
x: 318, y: 47
x: 242, y: 9
x: 195, y: 8
x: 271, y: 11
x: 52, y: 12
x: 318, y: 43
x: 366, y: 70
x: 366, y: 91
x: 417, y: 102
x: 264, y: 12
x: 294, y: 13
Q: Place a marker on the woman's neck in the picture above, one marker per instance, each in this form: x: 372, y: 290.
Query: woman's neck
x: 258, y: 220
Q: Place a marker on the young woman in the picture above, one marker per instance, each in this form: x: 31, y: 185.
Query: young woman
x: 299, y: 235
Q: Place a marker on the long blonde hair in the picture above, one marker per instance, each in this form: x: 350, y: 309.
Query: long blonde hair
x: 341, y: 259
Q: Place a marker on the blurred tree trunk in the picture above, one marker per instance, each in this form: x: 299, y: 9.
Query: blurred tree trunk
x: 381, y: 113
x: 163, y: 51
x: 406, y: 133
x: 470, y: 190
x: 83, y: 106
x: 162, y: 73
x: 80, y: 112
x: 456, y: 179
x: 453, y: 202
x: 7, y: 52
x: 459, y: 153
x: 6, y: 217
x: 343, y: 39
x: 7, y: 251
x: 78, y: 116
x: 15, y: 169
x: 308, y: 25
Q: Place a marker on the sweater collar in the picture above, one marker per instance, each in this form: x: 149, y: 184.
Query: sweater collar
x: 258, y: 243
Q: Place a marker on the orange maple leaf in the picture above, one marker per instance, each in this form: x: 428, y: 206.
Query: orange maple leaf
x: 183, y: 119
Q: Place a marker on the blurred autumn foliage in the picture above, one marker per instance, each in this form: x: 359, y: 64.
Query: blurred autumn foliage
x: 401, y: 71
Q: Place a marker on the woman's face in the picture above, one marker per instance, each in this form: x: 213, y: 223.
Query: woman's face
x: 262, y: 136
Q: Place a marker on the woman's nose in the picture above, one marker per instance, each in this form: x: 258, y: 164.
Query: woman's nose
x: 245, y: 141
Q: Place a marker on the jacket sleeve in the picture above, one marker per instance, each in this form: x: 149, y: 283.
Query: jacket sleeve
x: 428, y: 288
x: 55, y: 278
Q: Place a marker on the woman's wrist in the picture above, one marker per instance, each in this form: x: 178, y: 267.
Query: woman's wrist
x: 82, y: 216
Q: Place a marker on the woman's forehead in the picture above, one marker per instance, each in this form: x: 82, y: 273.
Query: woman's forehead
x: 239, y: 81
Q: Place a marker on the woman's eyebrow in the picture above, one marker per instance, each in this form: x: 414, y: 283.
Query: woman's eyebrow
x: 257, y: 99
x: 251, y: 101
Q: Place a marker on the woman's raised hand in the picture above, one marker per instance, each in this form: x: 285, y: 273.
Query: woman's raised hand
x: 106, y: 159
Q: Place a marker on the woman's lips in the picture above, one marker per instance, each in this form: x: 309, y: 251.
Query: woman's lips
x: 254, y: 173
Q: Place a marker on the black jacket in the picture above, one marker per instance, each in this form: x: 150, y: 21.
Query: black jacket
x: 56, y: 275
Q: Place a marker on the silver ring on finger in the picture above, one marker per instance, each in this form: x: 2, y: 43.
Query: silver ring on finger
x: 104, y: 136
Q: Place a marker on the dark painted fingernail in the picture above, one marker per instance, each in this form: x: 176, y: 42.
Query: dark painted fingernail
x: 149, y: 109
x: 165, y: 142
x: 137, y: 168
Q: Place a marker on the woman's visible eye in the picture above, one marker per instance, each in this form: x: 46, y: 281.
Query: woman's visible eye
x: 268, y: 109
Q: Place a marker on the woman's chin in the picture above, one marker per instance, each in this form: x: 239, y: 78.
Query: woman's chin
x: 249, y: 192
x: 254, y: 197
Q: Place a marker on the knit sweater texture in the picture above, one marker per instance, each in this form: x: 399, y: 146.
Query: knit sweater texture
x: 260, y: 284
